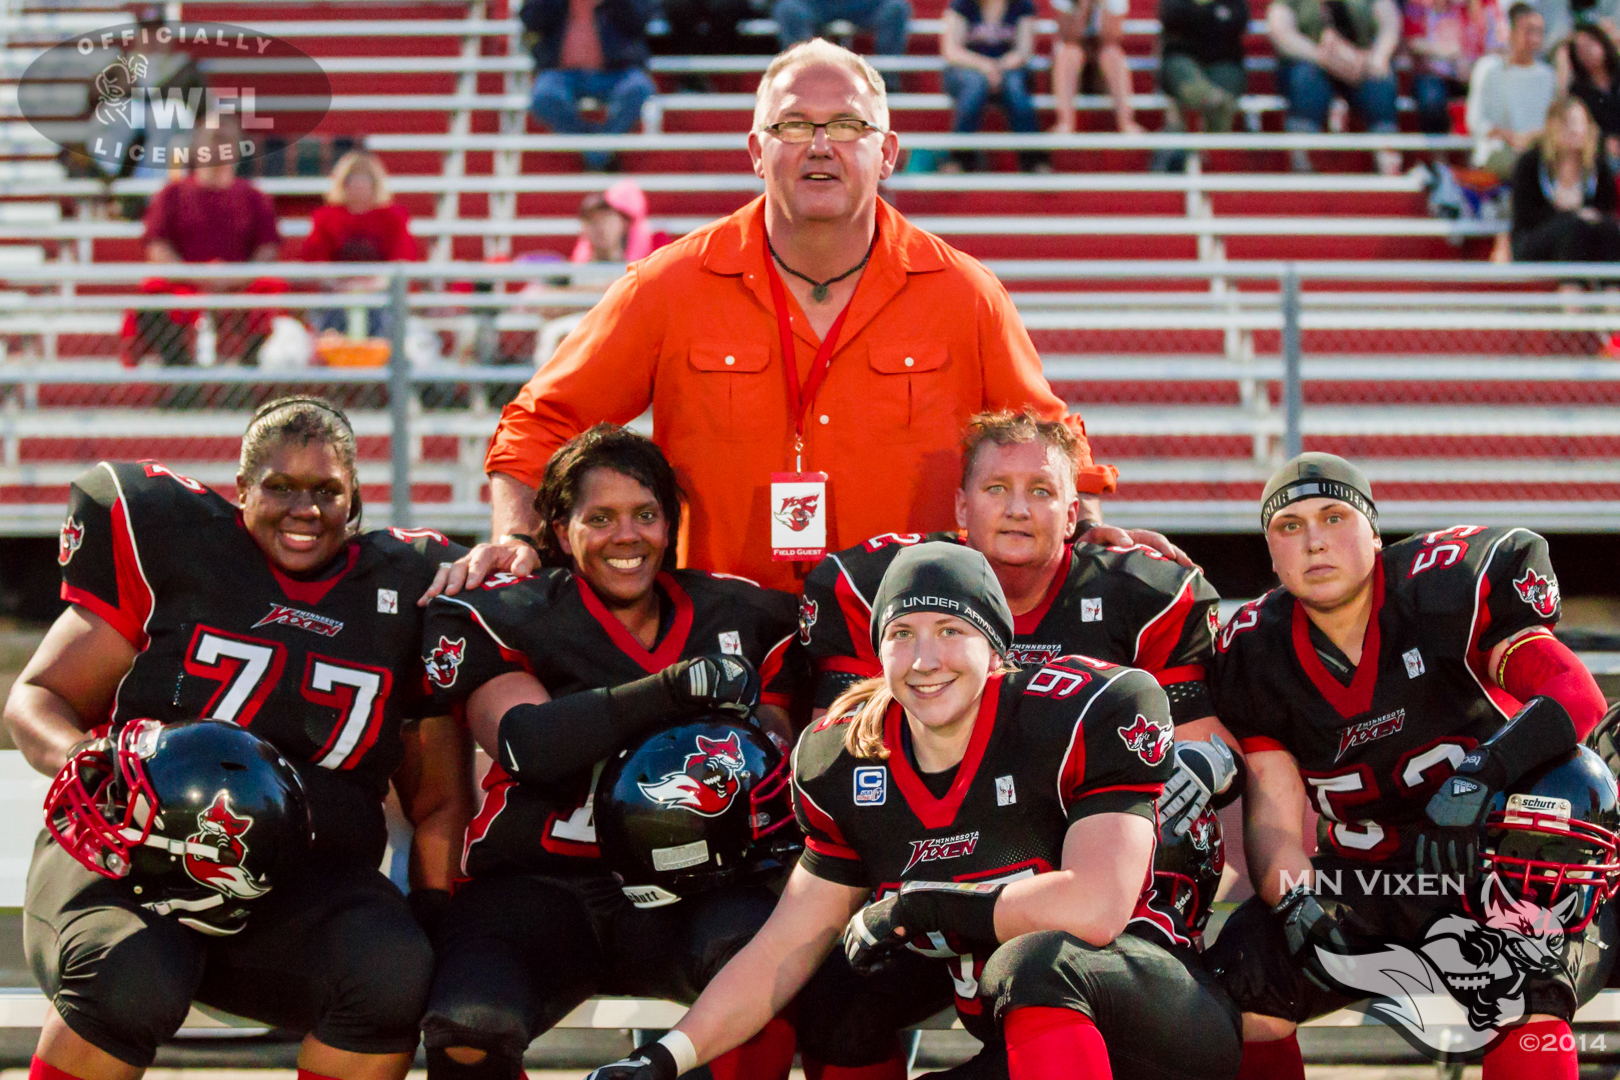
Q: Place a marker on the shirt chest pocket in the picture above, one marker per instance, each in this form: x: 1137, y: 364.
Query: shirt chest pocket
x: 913, y: 387
x: 732, y: 390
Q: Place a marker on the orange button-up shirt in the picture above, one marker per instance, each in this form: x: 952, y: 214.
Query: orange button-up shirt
x: 930, y: 339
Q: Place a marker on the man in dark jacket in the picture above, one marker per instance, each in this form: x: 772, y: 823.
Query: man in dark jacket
x: 590, y: 49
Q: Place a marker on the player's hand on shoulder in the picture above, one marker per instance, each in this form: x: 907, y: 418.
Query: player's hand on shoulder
x: 714, y: 681
x: 650, y: 1062
x: 1204, y: 769
x: 510, y: 555
x: 1114, y: 536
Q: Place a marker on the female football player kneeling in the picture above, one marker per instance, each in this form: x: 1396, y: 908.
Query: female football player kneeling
x: 282, y: 618
x: 1006, y: 822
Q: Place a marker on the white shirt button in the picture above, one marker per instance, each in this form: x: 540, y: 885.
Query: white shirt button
x: 909, y: 361
x: 730, y: 360
x: 824, y: 418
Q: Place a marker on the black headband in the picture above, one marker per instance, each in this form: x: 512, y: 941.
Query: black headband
x: 1318, y: 488
x: 948, y: 578
x: 288, y: 402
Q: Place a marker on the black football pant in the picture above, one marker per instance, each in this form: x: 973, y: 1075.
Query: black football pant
x: 1159, y: 1011
x: 334, y: 953
x: 518, y: 952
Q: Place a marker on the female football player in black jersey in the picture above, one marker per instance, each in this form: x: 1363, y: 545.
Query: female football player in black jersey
x: 283, y: 618
x: 1397, y: 690
x: 558, y: 671
x: 1005, y: 821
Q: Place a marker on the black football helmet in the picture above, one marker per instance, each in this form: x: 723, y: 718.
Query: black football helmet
x: 1551, y: 838
x: 692, y: 807
x: 200, y: 817
x: 1187, y: 869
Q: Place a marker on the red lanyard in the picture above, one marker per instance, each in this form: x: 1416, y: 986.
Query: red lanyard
x: 800, y: 403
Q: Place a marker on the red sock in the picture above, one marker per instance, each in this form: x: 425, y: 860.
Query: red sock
x: 1054, y: 1044
x: 305, y: 1074
x: 767, y: 1056
x: 1276, y: 1060
x: 892, y: 1069
x: 40, y: 1070
x: 1520, y: 1055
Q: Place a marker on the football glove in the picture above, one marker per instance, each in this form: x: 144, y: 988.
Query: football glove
x: 652, y: 1061
x: 1203, y: 771
x: 715, y: 681
x: 1306, y: 923
x: 876, y: 933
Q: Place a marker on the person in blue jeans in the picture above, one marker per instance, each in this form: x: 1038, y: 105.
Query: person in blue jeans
x: 1328, y: 48
x: 801, y: 20
x: 986, y: 45
x: 589, y: 49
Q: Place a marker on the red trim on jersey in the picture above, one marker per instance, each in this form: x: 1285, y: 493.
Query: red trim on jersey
x: 782, y: 700
x: 1158, y: 639
x: 669, y: 650
x: 311, y: 592
x: 836, y: 851
x: 1185, y: 673
x: 227, y: 669
x: 939, y: 813
x: 1153, y: 789
x: 866, y: 669
x: 342, y: 698
x: 1355, y: 699
x: 1476, y: 658
x: 1038, y: 865
x: 135, y: 599
x: 558, y: 846
x: 857, y: 617
x: 1024, y: 625
x: 496, y: 786
x: 114, y: 618
x: 1259, y: 744
x: 771, y: 666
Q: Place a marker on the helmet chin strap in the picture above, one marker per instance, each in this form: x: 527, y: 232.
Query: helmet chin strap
x: 165, y: 907
x: 173, y: 847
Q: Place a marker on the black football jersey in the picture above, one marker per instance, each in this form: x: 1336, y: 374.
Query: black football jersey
x: 325, y: 670
x: 1124, y: 605
x: 1050, y: 746
x: 553, y: 625
x: 1373, y: 742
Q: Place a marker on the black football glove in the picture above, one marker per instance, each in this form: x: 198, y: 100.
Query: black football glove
x: 715, y: 681
x: 873, y: 938
x: 650, y: 1062
x: 1306, y: 923
x: 1203, y: 771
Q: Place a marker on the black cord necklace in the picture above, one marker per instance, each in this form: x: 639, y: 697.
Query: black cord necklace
x: 818, y: 291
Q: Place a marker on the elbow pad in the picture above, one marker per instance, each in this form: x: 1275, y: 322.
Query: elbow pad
x: 552, y: 741
x: 1536, y: 734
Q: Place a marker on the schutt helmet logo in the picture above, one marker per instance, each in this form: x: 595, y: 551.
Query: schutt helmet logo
x: 72, y: 536
x: 1148, y: 740
x: 222, y: 829
x: 797, y: 512
x: 707, y: 781
x: 444, y: 661
x: 1541, y: 593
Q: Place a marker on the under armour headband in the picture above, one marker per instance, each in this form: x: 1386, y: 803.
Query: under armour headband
x: 948, y: 578
x: 1318, y: 476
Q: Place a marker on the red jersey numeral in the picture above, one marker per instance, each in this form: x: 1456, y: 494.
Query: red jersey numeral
x: 1336, y: 795
x: 358, y: 692
x: 1056, y: 682
x: 157, y: 468
x: 884, y: 540
x: 246, y: 669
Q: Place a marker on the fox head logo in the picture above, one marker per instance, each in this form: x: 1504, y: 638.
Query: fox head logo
x: 797, y: 512
x: 444, y: 661
x: 707, y: 781
x: 72, y: 536
x: 1541, y: 593
x: 1205, y: 835
x: 1149, y: 741
x: 221, y: 829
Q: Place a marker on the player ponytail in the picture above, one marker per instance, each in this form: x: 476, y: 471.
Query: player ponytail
x: 605, y: 446
x: 869, y: 701
x: 302, y: 419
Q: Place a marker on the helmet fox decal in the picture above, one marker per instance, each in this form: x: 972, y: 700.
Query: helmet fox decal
x: 706, y: 783
x: 220, y: 829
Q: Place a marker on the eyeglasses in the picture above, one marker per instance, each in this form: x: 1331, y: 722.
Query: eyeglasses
x: 802, y: 131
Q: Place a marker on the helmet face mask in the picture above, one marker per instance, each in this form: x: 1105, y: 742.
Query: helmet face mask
x: 1187, y: 869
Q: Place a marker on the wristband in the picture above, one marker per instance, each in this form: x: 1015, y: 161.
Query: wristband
x: 681, y: 1049
x: 524, y: 537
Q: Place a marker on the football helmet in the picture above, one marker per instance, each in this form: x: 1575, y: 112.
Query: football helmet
x: 201, y: 817
x: 692, y: 806
x: 1552, y: 836
x: 1187, y: 868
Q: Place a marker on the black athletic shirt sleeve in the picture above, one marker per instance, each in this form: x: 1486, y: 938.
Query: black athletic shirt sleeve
x: 1119, y: 757
x: 827, y: 854
x: 460, y: 651
x: 87, y: 551
x: 1522, y: 588
x: 833, y: 624
x: 1237, y: 667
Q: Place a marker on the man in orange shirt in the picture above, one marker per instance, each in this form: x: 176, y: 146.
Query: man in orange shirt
x: 896, y: 339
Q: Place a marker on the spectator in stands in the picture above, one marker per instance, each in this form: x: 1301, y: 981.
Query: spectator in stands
x: 1337, y: 47
x: 613, y: 226
x: 593, y: 49
x: 210, y: 215
x: 800, y: 20
x: 1508, y: 96
x: 1592, y: 64
x: 704, y: 28
x: 1201, y: 65
x: 359, y: 223
x: 1102, y: 21
x: 1564, y: 197
x: 1446, y: 39
x: 1562, y: 16
x: 987, y: 48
